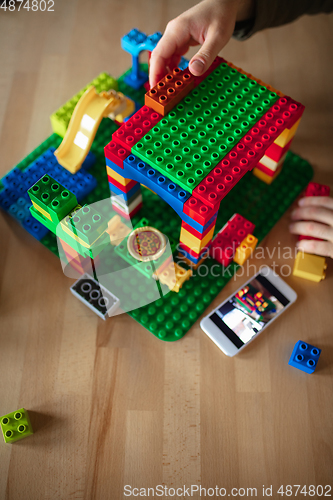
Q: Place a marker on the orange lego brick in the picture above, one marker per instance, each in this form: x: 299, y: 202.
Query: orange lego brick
x: 170, y: 91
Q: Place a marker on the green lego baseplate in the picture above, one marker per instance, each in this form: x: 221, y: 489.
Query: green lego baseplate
x: 16, y: 425
x: 170, y: 316
x: 189, y: 142
x: 60, y: 118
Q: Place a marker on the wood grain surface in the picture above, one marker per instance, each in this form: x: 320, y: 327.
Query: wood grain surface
x: 111, y: 405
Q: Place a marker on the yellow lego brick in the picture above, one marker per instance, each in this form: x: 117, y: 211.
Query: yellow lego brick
x: 245, y: 249
x: 265, y: 177
x: 193, y: 242
x: 119, y: 178
x: 41, y: 210
x: 271, y: 164
x: 117, y: 230
x: 310, y: 267
x: 174, y: 276
x: 286, y: 136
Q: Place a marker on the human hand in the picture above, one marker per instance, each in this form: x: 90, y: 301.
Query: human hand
x: 314, y: 217
x: 209, y: 24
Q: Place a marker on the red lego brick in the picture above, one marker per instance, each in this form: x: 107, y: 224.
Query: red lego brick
x: 275, y: 152
x: 198, y: 210
x: 217, y: 184
x: 229, y: 238
x: 136, y: 127
x: 217, y: 61
x: 116, y: 153
x: 315, y: 189
x: 124, y: 189
x: 196, y: 233
x: 170, y: 91
x: 222, y: 251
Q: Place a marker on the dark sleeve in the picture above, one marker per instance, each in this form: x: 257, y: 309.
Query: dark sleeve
x: 271, y: 13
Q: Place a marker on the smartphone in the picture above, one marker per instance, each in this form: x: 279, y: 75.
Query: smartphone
x: 244, y: 315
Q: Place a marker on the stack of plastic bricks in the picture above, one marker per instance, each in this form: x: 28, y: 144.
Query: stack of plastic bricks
x: 194, y: 139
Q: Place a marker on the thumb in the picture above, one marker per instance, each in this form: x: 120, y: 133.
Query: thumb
x: 201, y: 61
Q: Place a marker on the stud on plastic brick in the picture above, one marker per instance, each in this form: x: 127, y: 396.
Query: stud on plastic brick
x: 305, y: 357
x: 87, y: 224
x: 16, y: 426
x: 116, y: 153
x: 95, y: 296
x: 170, y: 91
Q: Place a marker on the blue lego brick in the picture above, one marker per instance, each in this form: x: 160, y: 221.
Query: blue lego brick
x: 160, y: 184
x: 136, y: 79
x: 15, y: 200
x: 20, y: 211
x: 190, y: 257
x: 304, y: 357
x: 135, y: 41
x: 183, y: 64
x: 126, y: 196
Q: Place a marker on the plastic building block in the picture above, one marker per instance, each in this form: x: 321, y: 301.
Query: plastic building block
x: 287, y: 134
x: 52, y: 199
x: 315, y: 189
x: 136, y: 127
x: 159, y: 184
x: 125, y: 189
x: 196, y: 233
x: 95, y: 296
x: 135, y: 41
x: 229, y: 238
x: 119, y: 192
x: 127, y: 208
x: 83, y: 125
x: 310, y: 267
x: 115, y: 153
x: 119, y: 178
x: 60, y: 118
x: 137, y: 95
x: 198, y: 211
x: 16, y: 426
x: 304, y: 357
x: 21, y: 212
x: 87, y: 224
x: 169, y: 91
x: 194, y: 243
x: 117, y: 230
x: 245, y: 249
x: 174, y: 276
x: 267, y: 178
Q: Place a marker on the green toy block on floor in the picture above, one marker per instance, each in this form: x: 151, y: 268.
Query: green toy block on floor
x: 16, y: 426
x: 52, y: 199
x: 60, y: 118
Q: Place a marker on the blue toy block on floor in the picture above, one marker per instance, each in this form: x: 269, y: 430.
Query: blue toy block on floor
x: 305, y: 357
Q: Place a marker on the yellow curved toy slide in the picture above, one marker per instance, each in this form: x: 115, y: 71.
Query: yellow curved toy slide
x: 84, y: 123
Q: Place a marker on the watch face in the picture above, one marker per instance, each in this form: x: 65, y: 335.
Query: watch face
x: 146, y: 243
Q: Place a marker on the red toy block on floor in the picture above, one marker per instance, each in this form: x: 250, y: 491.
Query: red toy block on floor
x: 229, y: 238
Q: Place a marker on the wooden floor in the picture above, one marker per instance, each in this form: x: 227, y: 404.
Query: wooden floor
x: 111, y: 404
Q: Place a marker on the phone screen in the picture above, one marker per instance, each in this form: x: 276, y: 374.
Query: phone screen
x: 249, y: 310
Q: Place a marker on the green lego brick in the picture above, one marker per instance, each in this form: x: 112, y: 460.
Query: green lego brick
x: 196, y: 135
x: 51, y: 226
x: 16, y: 426
x: 60, y: 118
x: 87, y: 224
x: 52, y: 197
x: 137, y: 96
